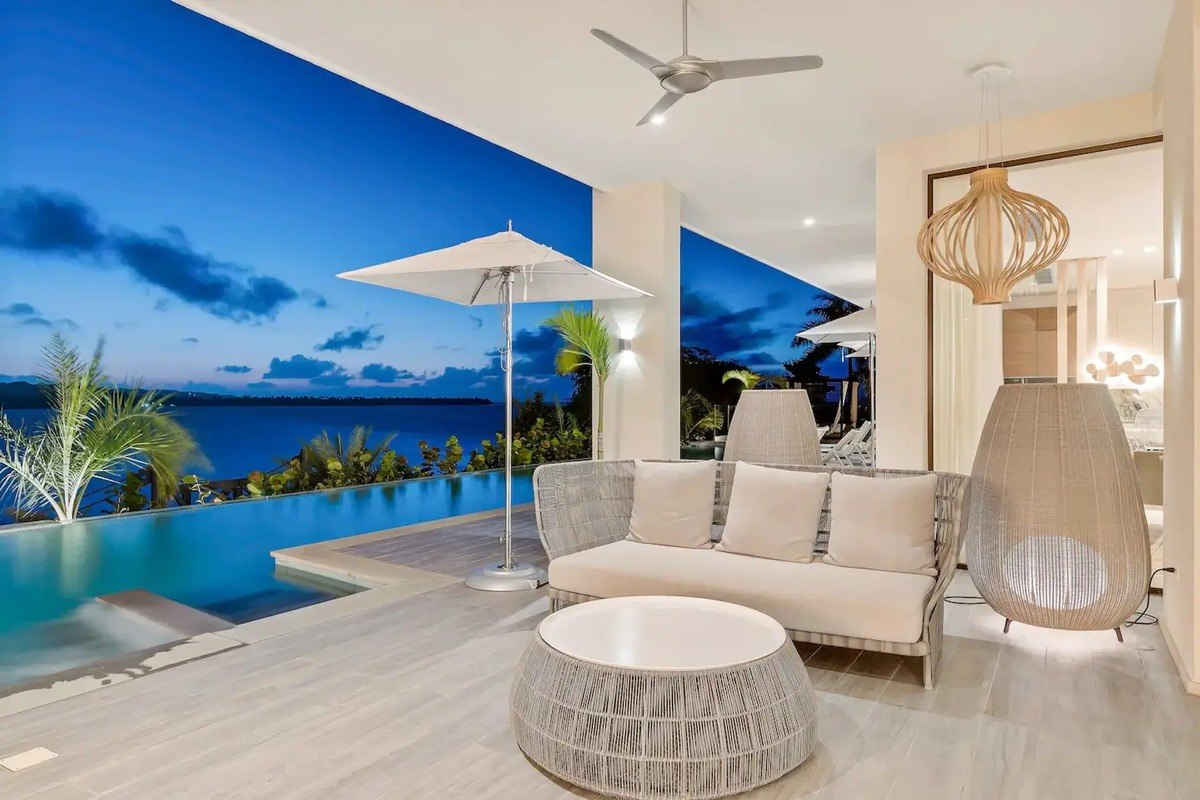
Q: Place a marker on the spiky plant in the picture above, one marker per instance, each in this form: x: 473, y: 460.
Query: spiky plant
x: 697, y: 415
x: 94, y: 432
x: 750, y: 379
x: 586, y: 343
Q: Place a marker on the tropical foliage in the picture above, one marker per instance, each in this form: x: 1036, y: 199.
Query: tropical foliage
x: 697, y: 417
x: 542, y: 433
x: 750, y: 379
x: 95, y: 432
x: 587, y: 343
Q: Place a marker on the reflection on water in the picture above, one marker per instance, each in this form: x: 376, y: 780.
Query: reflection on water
x: 216, y: 558
x: 92, y: 632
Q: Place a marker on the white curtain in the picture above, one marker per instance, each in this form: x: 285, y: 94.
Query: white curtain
x: 968, y: 367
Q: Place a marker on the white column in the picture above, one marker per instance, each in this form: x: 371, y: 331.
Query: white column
x: 635, y: 237
x: 1179, y: 92
x: 1062, y: 343
x: 1084, y: 348
x: 1101, y: 265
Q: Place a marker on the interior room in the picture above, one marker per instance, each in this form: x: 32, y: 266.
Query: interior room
x: 649, y: 399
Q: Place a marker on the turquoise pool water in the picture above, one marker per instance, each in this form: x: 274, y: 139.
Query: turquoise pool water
x: 216, y: 558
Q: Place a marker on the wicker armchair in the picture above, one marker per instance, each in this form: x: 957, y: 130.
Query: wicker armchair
x: 586, y: 504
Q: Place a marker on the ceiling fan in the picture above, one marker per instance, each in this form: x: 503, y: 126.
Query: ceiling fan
x: 686, y: 74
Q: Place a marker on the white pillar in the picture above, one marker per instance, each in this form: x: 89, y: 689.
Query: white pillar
x: 1085, y: 348
x: 635, y: 237
x: 1178, y: 91
x: 1062, y: 341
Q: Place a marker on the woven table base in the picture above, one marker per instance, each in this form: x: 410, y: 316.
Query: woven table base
x: 659, y: 735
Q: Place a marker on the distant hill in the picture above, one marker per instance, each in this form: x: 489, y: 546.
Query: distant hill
x: 22, y: 394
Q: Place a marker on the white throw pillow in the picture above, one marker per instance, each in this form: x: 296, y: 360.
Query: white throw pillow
x: 774, y: 513
x: 673, y: 503
x: 882, y: 523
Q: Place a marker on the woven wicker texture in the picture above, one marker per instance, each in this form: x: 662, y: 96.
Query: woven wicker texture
x: 662, y: 735
x: 773, y: 426
x: 585, y: 504
x: 1057, y: 534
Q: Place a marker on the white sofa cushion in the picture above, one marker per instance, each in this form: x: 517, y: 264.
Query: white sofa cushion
x: 883, y: 523
x: 774, y: 513
x: 816, y: 597
x: 673, y: 503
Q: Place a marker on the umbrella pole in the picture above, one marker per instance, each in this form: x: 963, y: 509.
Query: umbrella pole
x: 508, y: 415
x: 508, y: 575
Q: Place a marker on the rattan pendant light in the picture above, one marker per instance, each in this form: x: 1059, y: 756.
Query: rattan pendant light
x: 994, y: 237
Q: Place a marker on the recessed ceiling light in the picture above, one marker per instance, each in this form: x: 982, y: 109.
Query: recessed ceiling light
x: 808, y: 222
x: 658, y: 119
x: 1149, y: 248
x: 1118, y: 252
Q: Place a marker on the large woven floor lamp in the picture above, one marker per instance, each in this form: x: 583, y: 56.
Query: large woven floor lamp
x: 1057, y: 532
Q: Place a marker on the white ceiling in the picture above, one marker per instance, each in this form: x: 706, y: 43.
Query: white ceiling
x: 752, y: 157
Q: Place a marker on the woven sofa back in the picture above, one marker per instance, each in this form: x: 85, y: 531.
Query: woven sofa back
x: 584, y: 504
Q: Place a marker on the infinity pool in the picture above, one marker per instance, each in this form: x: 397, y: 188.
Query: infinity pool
x: 214, y: 557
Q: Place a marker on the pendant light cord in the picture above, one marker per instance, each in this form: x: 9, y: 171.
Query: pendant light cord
x: 985, y: 123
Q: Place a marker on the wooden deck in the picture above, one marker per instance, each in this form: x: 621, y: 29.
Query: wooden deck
x: 402, y: 694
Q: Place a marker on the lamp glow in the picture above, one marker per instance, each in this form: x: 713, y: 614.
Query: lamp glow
x: 658, y: 119
x: 809, y: 222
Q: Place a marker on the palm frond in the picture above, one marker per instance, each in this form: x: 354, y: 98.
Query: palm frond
x: 587, y: 341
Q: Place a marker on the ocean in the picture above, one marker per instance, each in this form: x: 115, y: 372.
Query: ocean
x: 240, y: 439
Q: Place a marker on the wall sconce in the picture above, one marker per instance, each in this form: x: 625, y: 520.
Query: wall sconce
x: 624, y: 345
x: 1166, y: 290
x: 1135, y: 369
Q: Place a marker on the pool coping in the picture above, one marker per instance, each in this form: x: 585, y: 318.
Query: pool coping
x: 382, y: 584
x: 326, y: 560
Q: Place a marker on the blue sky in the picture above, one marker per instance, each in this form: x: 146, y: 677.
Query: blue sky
x: 188, y: 193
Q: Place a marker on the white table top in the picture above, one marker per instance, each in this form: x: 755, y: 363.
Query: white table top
x: 662, y: 633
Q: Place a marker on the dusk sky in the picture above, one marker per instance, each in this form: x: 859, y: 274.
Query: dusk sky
x: 188, y: 193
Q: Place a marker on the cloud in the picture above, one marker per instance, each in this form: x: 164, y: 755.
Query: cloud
x: 35, y: 221
x: 534, y: 350
x: 169, y: 262
x: 48, y: 222
x: 734, y: 334
x: 476, y: 322
x: 352, y: 339
x: 190, y: 340
x: 314, y: 370
x: 30, y: 317
x: 384, y: 373
x: 236, y: 369
x: 258, y: 385
x: 19, y: 310
x: 316, y: 299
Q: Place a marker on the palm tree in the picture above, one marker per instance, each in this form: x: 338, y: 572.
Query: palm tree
x: 586, y: 343
x: 697, y: 415
x: 94, y: 432
x: 829, y: 307
x: 750, y: 379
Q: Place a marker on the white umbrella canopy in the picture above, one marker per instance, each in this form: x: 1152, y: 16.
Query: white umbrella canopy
x: 504, y: 268
x: 472, y: 274
x: 858, y: 327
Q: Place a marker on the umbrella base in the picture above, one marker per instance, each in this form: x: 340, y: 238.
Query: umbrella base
x: 495, y: 578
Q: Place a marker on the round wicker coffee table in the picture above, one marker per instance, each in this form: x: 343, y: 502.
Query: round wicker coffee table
x: 663, y: 697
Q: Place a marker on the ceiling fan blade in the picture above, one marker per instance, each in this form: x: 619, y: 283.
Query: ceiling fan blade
x: 660, y: 107
x: 750, y: 67
x: 629, y: 51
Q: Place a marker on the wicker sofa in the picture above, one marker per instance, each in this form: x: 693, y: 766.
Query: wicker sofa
x: 583, y: 511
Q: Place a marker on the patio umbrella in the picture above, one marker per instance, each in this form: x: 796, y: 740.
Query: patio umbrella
x: 504, y: 268
x: 856, y: 330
